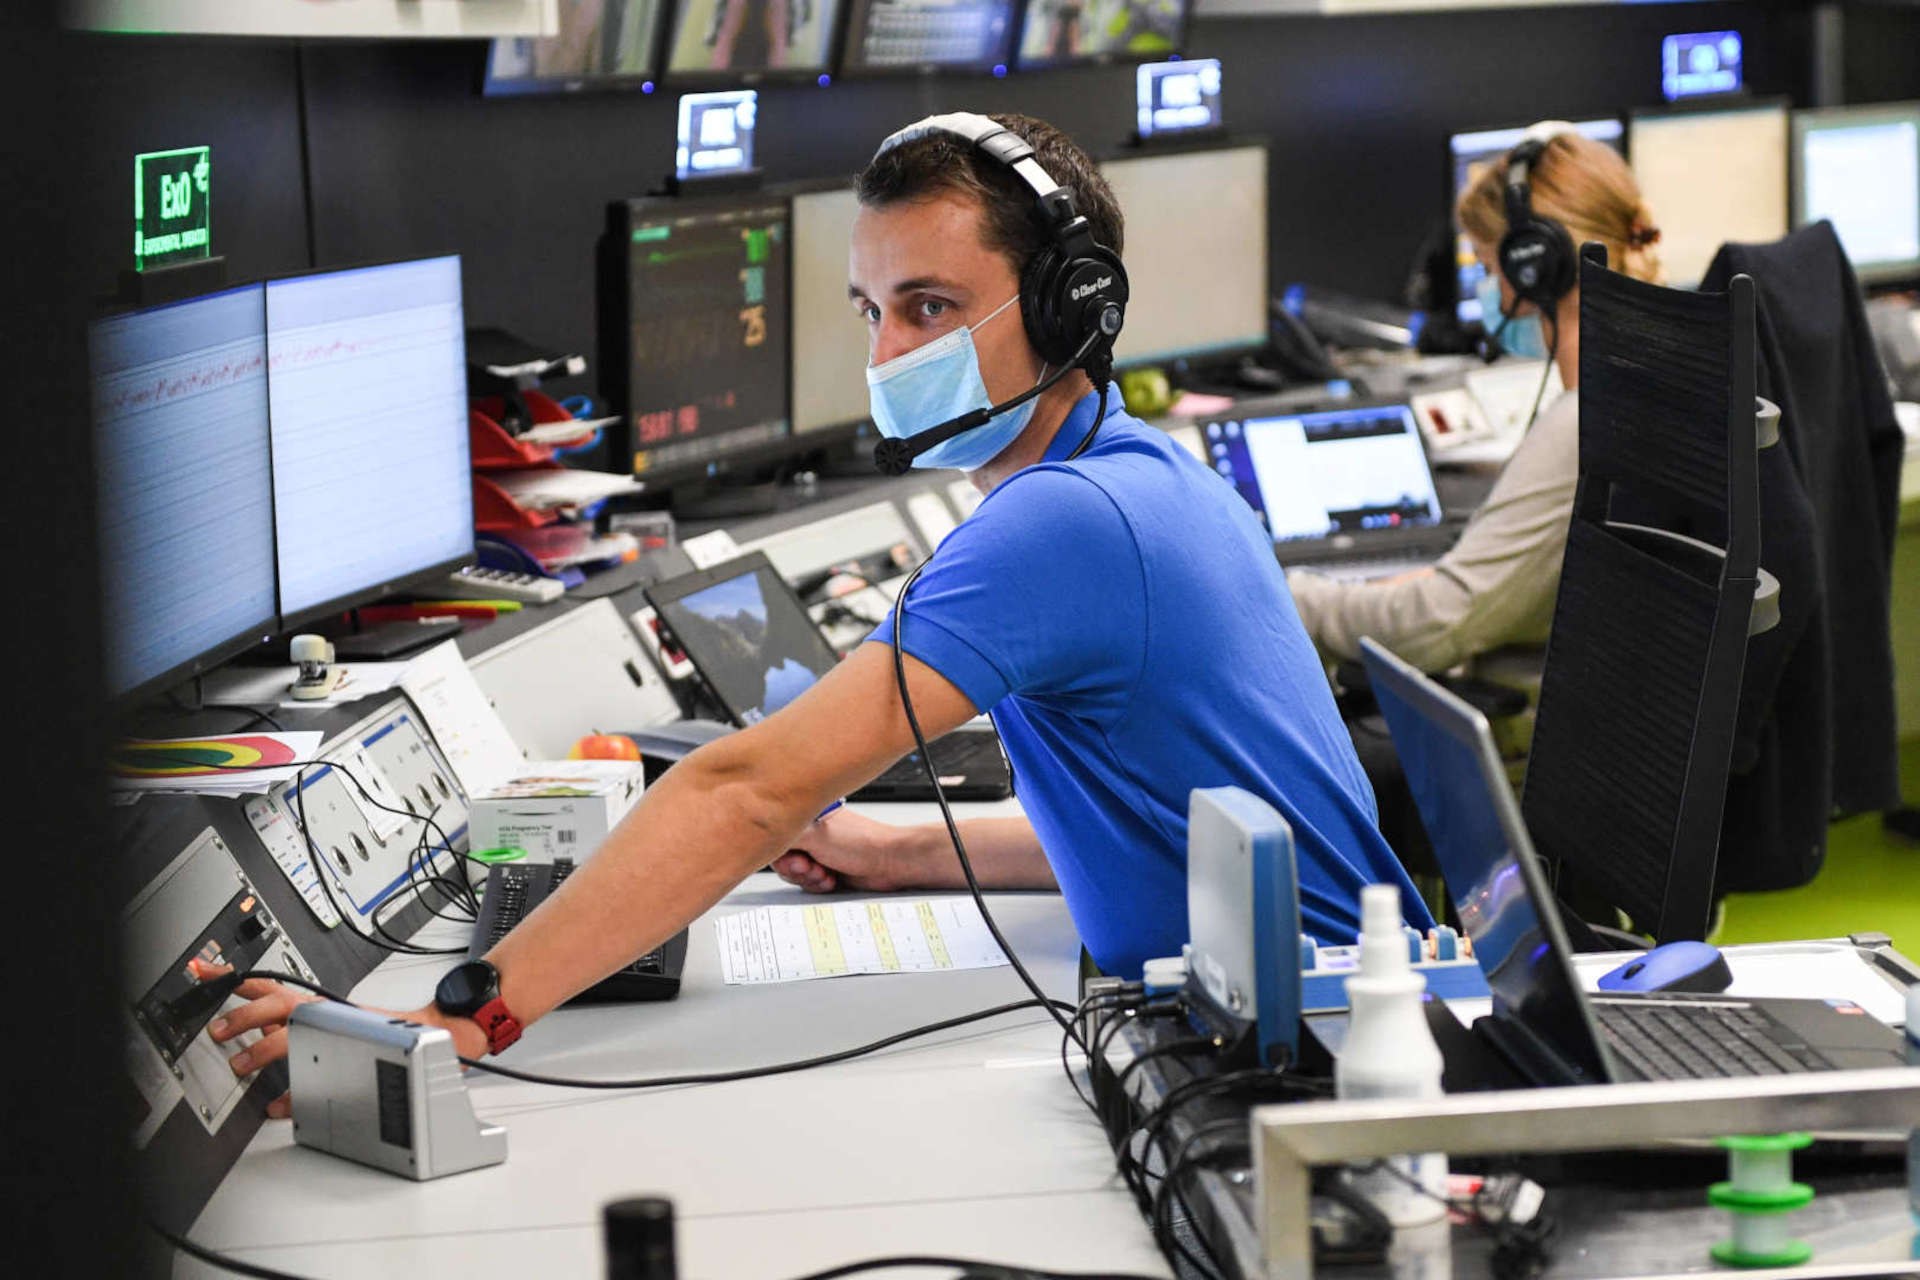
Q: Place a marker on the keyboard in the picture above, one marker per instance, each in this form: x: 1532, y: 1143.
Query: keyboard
x: 1699, y: 1042
x: 475, y: 582
x: 970, y: 763
x: 1367, y: 568
x: 514, y: 889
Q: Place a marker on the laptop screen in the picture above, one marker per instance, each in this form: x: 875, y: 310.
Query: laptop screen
x: 1488, y: 863
x: 747, y: 634
x: 1313, y: 475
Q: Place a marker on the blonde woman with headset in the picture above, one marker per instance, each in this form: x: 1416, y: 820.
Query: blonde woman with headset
x: 1495, y: 588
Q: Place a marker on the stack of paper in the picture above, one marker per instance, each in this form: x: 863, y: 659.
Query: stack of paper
x: 231, y: 764
x: 793, y: 944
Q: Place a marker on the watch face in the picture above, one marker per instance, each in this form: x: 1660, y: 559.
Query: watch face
x: 466, y: 987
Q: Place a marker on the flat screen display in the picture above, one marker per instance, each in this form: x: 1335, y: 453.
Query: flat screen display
x: 702, y: 329
x: 603, y: 44
x: 372, y: 485
x: 183, y: 474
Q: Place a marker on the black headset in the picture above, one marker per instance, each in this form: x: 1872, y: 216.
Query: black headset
x: 1536, y: 255
x: 1073, y: 294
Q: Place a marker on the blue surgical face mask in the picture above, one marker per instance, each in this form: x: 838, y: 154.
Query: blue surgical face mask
x: 1523, y: 336
x: 938, y: 382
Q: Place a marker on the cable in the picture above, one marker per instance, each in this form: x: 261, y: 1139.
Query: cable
x: 926, y: 757
x: 220, y: 1260
x: 1546, y: 376
x: 753, y: 1073
x: 971, y: 1269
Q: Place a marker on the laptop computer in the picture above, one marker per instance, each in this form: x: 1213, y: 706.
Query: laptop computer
x: 1345, y: 491
x: 756, y: 647
x: 1543, y: 1024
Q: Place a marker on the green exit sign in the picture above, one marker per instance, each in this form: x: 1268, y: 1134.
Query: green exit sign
x: 172, y: 206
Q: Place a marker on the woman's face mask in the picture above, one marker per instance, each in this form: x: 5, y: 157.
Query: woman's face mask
x: 1521, y: 336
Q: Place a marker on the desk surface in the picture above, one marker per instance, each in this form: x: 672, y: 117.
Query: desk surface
x: 967, y: 1143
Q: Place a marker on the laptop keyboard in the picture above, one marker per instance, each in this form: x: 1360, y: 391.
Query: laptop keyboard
x: 964, y: 754
x: 1698, y: 1042
x: 1367, y: 568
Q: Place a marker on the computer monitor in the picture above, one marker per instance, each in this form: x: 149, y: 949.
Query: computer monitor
x: 603, y: 44
x: 1057, y: 33
x: 924, y: 35
x: 372, y: 486
x: 1181, y: 96
x: 693, y: 330
x: 1470, y: 154
x: 1859, y: 167
x: 1711, y: 177
x: 1195, y: 252
x: 748, y: 40
x: 829, y: 337
x: 183, y: 479
x: 714, y: 133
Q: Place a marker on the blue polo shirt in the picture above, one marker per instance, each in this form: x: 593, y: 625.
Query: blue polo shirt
x: 1123, y: 617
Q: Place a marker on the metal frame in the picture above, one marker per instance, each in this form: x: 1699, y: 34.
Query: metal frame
x: 1289, y: 1140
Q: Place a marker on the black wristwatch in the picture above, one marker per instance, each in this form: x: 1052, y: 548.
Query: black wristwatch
x: 472, y: 990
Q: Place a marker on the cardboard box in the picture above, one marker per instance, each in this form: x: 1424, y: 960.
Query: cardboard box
x: 556, y: 808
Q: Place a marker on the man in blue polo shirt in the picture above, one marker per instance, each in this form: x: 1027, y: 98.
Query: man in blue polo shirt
x: 1112, y: 601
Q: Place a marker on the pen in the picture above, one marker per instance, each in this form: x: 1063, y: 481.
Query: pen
x: 830, y: 808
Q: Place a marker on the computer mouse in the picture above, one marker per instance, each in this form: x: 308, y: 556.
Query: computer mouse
x: 1677, y: 966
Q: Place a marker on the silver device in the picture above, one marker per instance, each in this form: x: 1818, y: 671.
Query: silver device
x: 385, y: 1092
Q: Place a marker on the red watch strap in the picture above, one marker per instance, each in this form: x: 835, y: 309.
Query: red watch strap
x: 502, y: 1027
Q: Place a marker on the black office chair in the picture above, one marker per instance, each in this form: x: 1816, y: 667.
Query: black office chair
x: 1639, y: 694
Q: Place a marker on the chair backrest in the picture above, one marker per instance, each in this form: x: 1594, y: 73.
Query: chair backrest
x: 1641, y: 687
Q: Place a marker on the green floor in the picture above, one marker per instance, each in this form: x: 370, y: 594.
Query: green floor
x: 1871, y: 882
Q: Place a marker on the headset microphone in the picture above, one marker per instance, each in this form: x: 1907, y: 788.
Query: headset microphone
x: 895, y: 457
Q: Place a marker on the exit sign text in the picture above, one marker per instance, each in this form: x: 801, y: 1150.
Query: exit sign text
x: 172, y: 206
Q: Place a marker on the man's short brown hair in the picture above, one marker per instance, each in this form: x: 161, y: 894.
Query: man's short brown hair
x: 1013, y: 222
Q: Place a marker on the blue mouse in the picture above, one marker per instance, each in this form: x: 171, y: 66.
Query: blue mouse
x: 1677, y: 966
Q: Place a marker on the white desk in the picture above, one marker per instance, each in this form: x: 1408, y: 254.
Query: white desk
x: 968, y: 1143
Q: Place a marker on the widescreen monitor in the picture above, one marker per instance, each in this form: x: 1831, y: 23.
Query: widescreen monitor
x: 1470, y: 154
x: 603, y: 44
x: 693, y: 330
x: 921, y: 35
x: 736, y: 40
x: 1058, y: 33
x: 1859, y: 167
x: 182, y: 470
x: 1711, y: 177
x: 372, y: 485
x: 1195, y: 252
x: 829, y: 336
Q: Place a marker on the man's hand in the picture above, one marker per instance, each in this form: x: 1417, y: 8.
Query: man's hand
x: 270, y: 1004
x: 846, y: 850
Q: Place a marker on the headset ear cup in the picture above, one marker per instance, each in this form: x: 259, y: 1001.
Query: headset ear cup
x: 1536, y: 257
x: 1040, y: 307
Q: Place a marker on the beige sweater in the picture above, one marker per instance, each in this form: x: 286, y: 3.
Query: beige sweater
x: 1493, y: 589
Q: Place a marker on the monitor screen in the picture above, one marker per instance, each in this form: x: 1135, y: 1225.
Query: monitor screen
x: 1859, y: 167
x: 714, y: 134
x: 1177, y: 97
x: 603, y: 44
x: 829, y: 337
x: 749, y: 636
x: 1314, y: 475
x: 1196, y: 252
x: 1700, y: 64
x: 733, y: 39
x: 909, y: 35
x: 1460, y: 786
x: 1711, y: 177
x: 1057, y: 32
x: 699, y: 329
x: 184, y: 486
x: 1470, y: 154
x: 371, y: 484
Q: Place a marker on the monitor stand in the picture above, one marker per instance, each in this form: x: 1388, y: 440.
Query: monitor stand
x: 725, y: 498
x: 393, y: 639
